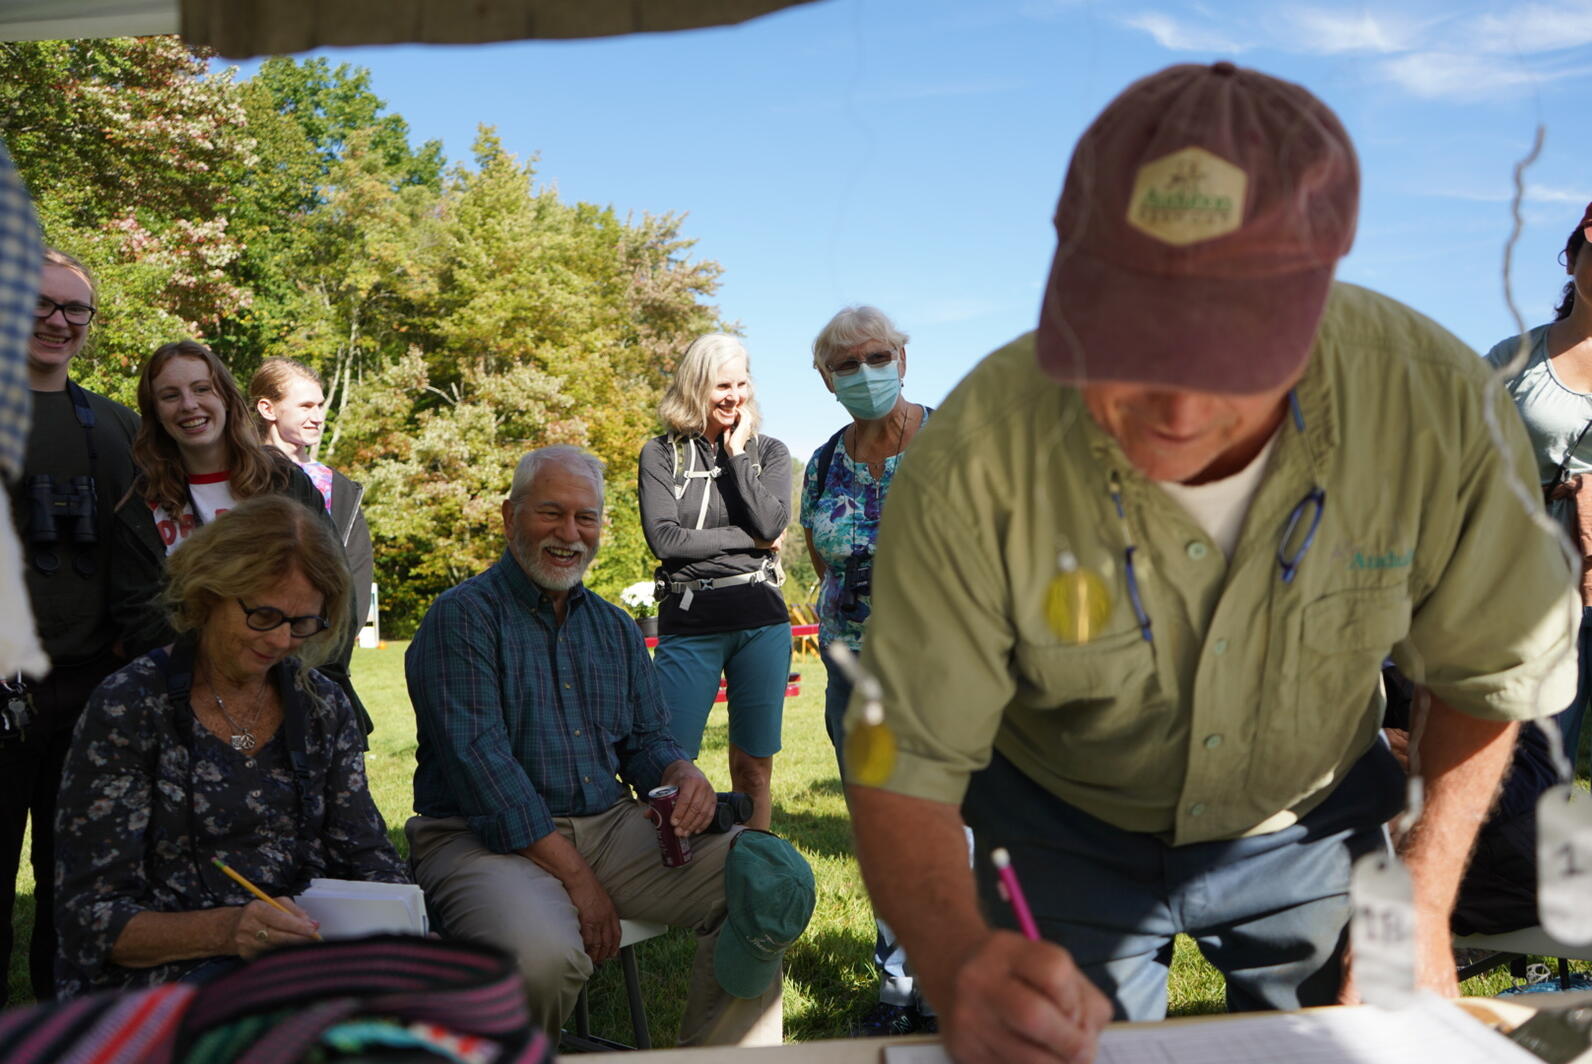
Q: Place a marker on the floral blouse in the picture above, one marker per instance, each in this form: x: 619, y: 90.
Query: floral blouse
x: 843, y: 517
x: 148, y: 796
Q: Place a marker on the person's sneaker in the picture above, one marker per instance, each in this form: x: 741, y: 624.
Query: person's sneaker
x: 887, y: 1021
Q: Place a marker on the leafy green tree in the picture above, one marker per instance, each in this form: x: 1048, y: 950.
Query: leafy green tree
x: 130, y: 151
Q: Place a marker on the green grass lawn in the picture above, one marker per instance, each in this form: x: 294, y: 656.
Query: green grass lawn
x: 828, y: 975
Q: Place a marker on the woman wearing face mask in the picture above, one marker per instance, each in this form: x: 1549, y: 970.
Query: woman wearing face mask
x: 715, y: 499
x: 862, y: 359
x: 290, y: 414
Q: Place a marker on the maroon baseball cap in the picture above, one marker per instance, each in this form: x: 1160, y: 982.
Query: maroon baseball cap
x: 1203, y: 214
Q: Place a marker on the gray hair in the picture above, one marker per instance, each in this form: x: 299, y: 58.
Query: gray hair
x: 853, y: 326
x: 576, y: 459
x: 684, y: 406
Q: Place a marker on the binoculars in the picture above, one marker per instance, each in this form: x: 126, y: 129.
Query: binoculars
x: 733, y: 808
x: 856, y: 582
x: 61, y: 512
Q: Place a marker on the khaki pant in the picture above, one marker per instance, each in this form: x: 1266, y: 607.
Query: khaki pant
x: 505, y: 900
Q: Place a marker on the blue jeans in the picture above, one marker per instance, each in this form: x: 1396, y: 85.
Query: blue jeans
x: 896, y: 984
x: 755, y: 664
x: 1270, y: 912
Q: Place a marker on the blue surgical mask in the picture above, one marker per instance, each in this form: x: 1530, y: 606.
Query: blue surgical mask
x: 871, y: 392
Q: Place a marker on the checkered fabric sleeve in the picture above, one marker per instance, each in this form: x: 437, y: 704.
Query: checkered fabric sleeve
x: 21, y: 255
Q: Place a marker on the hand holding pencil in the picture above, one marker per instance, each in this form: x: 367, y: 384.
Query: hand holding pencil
x: 268, y: 923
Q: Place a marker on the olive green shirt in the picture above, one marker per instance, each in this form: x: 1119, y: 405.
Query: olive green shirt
x: 1256, y: 695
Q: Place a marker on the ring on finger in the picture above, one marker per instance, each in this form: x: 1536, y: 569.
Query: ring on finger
x: 264, y: 934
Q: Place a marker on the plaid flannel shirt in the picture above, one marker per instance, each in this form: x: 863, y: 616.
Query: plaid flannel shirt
x: 521, y: 719
x: 21, y: 257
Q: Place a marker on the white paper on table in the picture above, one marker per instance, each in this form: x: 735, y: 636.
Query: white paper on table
x: 347, y: 908
x: 1429, y: 1029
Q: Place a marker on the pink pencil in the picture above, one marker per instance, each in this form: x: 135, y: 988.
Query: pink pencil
x: 1014, y: 892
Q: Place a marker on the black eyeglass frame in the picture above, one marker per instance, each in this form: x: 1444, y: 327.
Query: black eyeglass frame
x: 67, y: 310
x: 321, y: 623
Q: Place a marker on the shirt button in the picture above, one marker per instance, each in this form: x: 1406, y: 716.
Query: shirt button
x: 566, y: 687
x: 1197, y: 809
x: 1218, y: 647
x: 1211, y: 741
x: 1196, y: 550
x: 586, y: 778
x: 577, y: 731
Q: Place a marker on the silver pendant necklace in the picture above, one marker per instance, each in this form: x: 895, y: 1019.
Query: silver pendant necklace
x: 242, y: 735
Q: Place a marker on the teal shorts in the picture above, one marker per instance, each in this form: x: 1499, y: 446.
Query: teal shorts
x: 755, y: 663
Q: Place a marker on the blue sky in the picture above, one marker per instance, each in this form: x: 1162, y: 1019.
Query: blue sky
x: 908, y: 153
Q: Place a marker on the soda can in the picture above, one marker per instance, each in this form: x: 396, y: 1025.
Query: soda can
x: 676, y: 849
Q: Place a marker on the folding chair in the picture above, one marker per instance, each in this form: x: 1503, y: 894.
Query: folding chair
x: 631, y: 932
x: 1513, y: 947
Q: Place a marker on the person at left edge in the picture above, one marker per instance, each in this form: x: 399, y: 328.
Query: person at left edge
x: 531, y: 696
x: 197, y: 455
x: 78, y: 464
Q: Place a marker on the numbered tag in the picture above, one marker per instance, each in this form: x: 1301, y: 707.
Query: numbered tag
x: 1382, y: 931
x: 1564, y: 864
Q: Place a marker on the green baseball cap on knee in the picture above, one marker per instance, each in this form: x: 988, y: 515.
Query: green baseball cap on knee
x: 769, y: 896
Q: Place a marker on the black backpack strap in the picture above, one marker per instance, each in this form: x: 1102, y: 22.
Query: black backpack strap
x: 826, y: 455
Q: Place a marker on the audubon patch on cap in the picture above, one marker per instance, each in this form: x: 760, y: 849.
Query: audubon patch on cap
x: 769, y: 895
x: 1203, y: 214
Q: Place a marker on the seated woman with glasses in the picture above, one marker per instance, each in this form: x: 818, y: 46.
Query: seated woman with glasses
x: 225, y: 745
x: 198, y: 455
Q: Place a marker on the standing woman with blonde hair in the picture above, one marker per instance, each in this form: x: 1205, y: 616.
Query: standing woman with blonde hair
x: 197, y: 456
x: 289, y: 403
x: 715, y: 499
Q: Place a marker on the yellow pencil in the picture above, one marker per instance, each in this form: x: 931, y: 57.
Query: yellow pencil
x: 256, y: 891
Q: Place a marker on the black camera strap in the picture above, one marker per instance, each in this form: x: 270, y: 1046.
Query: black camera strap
x: 45, y: 560
x: 85, y: 417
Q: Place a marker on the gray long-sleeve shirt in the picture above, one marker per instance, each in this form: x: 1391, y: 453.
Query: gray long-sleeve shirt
x: 743, y: 506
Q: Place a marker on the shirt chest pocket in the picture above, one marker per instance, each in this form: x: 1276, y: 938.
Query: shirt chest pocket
x: 1341, y: 642
x: 1115, y: 669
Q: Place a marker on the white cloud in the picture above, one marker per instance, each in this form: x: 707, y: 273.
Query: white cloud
x: 1317, y: 30
x: 1453, y: 75
x: 1504, y: 193
x: 1533, y: 28
x: 1176, y: 36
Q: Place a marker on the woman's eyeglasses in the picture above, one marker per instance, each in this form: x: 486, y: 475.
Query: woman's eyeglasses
x: 74, y: 313
x: 873, y: 360
x: 265, y: 618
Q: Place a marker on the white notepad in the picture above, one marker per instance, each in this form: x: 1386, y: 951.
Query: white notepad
x: 347, y: 908
x: 1429, y: 1029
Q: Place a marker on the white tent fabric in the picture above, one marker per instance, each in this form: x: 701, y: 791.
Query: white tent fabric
x: 240, y: 29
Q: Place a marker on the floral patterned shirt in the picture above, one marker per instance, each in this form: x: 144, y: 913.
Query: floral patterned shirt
x: 148, y: 796
x: 320, y: 475
x: 842, y: 515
